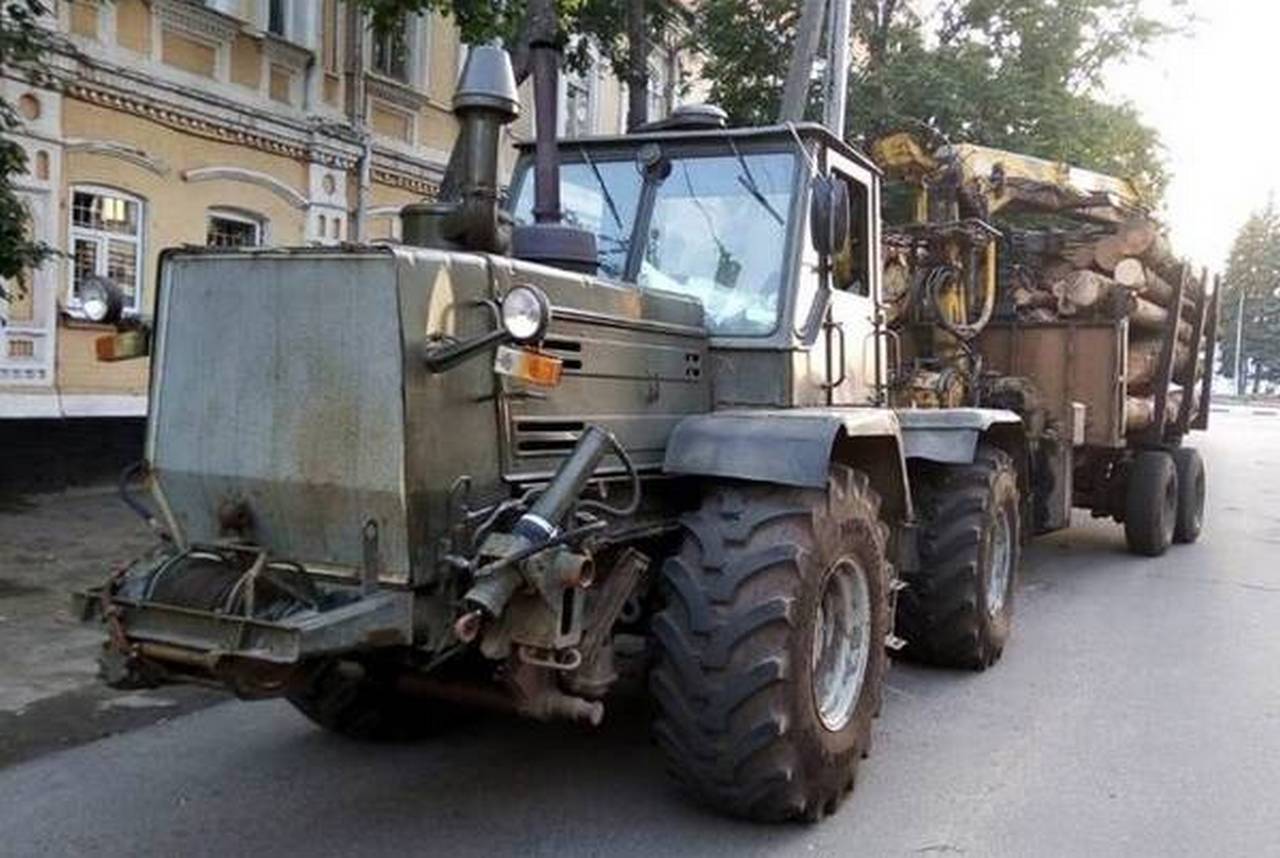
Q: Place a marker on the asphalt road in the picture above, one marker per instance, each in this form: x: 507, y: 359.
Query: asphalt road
x: 1136, y: 713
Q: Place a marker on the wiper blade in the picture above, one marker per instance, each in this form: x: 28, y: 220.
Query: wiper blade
x: 604, y: 189
x: 748, y: 181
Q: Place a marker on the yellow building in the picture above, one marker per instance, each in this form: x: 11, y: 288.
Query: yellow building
x: 227, y: 122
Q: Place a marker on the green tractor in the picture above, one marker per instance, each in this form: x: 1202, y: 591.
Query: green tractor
x: 631, y: 419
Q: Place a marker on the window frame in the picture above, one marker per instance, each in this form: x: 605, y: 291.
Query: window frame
x: 584, y: 83
x: 659, y: 72
x: 409, y: 29
x: 102, y: 238
x: 284, y: 9
x: 235, y: 215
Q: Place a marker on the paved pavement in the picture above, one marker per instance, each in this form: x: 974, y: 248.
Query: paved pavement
x: 1136, y: 713
x: 49, y: 694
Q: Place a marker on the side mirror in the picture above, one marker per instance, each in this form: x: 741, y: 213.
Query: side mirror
x: 828, y: 214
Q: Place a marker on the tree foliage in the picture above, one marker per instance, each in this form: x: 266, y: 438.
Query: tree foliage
x: 603, y: 22
x: 1018, y: 74
x: 23, y: 44
x: 1253, y: 271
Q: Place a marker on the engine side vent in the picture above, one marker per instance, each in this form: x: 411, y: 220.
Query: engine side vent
x: 569, y: 352
x: 692, y: 365
x: 546, y: 437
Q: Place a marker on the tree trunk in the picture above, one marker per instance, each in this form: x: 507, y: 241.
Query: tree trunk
x: 795, y: 92
x: 879, y: 41
x: 637, y: 65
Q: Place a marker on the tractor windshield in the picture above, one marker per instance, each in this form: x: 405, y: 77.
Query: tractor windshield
x: 716, y: 230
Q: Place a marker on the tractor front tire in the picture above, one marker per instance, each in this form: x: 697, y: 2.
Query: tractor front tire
x: 771, y: 647
x: 957, y: 610
x: 1151, y: 503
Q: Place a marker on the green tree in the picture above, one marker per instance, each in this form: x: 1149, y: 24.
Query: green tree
x: 1253, y: 274
x: 24, y: 42
x: 1017, y: 74
x: 622, y: 31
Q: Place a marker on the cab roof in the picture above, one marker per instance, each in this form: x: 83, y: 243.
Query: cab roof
x: 807, y: 131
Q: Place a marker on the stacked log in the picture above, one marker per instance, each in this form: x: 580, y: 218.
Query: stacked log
x: 1125, y: 271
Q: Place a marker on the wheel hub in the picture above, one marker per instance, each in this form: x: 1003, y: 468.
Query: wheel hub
x: 841, y: 643
x: 999, y: 563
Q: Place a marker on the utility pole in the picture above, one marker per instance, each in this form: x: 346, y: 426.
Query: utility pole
x: 837, y: 67
x: 795, y: 92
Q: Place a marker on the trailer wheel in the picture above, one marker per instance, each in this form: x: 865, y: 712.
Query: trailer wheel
x: 361, y: 702
x: 1151, y: 503
x: 771, y: 646
x: 1190, y: 468
x: 957, y: 611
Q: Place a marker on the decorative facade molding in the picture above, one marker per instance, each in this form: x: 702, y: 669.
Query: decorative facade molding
x: 394, y: 92
x: 417, y: 184
x: 197, y: 19
x: 285, y: 52
x: 116, y: 149
x: 190, y: 122
x: 252, y: 177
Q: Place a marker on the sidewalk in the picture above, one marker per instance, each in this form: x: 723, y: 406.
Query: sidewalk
x: 50, y: 696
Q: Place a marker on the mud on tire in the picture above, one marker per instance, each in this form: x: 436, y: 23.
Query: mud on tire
x: 948, y: 613
x: 739, y: 716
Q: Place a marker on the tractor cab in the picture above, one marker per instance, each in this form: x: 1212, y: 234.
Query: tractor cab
x: 771, y: 229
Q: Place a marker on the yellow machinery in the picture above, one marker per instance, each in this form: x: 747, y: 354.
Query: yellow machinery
x: 945, y: 256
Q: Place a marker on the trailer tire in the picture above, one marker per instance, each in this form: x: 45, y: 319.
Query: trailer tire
x: 765, y: 685
x: 361, y: 702
x: 957, y: 610
x: 1151, y: 503
x: 1191, y: 491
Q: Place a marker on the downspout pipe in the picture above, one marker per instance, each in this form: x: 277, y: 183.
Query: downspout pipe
x: 359, y: 113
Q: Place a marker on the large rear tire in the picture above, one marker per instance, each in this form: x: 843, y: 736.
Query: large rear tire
x: 1191, y: 491
x: 362, y: 702
x: 1151, y: 503
x: 771, y: 646
x: 957, y: 610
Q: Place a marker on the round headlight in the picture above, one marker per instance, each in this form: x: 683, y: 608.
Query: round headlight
x: 525, y: 313
x: 101, y: 300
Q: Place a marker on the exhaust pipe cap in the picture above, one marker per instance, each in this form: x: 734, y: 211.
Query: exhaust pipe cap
x: 487, y: 82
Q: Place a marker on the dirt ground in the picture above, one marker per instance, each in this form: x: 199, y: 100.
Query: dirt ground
x: 51, y: 545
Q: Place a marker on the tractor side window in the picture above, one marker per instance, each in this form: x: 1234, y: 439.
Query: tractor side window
x: 851, y: 263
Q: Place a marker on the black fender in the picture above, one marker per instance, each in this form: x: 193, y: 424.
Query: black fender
x: 951, y: 436
x: 795, y: 447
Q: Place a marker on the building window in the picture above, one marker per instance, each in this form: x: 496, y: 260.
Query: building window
x: 232, y: 229
x: 329, y: 35
x: 577, y: 105
x: 106, y: 241
x: 390, y: 54
x: 657, y: 94
x: 277, y: 16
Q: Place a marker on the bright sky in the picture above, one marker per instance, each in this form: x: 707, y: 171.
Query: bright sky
x: 1213, y: 98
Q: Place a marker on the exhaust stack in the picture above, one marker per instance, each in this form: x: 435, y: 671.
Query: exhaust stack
x: 547, y: 239
x: 484, y: 102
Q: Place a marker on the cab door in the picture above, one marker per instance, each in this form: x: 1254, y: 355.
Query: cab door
x: 855, y: 365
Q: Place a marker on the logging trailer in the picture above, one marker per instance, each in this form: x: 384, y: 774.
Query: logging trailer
x: 649, y: 416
